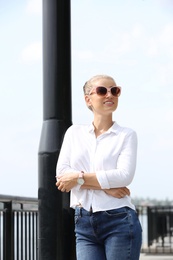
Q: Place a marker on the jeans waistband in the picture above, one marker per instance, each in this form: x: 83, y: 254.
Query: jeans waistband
x: 83, y: 212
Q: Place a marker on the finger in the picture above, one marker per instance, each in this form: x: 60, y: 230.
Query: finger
x: 61, y: 189
x: 60, y: 186
x: 123, y: 194
x: 126, y: 191
x: 57, y: 178
x: 57, y: 183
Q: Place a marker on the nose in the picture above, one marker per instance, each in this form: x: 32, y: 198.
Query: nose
x: 109, y: 93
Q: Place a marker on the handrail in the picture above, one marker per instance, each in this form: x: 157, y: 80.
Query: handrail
x: 19, y: 228
x: 8, y: 198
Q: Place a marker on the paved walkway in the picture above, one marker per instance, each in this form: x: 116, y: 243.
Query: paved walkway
x: 156, y: 257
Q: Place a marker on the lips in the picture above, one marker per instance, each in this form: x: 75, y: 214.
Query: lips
x: 109, y: 102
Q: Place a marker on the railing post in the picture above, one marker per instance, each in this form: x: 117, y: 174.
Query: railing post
x: 8, y: 231
x: 55, y: 231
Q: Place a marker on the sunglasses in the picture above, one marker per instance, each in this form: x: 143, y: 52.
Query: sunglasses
x: 102, y: 91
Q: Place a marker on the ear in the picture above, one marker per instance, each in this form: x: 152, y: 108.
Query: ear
x: 88, y: 100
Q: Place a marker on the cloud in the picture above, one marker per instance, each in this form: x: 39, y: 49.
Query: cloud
x: 34, y: 6
x: 166, y: 39
x: 86, y: 55
x: 32, y: 52
x: 161, y: 43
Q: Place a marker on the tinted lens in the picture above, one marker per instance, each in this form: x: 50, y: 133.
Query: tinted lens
x: 115, y: 91
x: 101, y: 91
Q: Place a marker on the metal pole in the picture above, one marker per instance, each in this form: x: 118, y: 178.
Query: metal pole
x: 8, y: 231
x: 56, y: 238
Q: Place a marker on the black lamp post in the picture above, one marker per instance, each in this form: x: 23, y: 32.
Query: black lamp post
x: 55, y: 233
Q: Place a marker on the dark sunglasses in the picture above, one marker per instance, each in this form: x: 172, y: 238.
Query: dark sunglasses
x: 102, y: 91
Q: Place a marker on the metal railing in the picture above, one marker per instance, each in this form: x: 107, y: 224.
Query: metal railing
x: 160, y: 229
x: 157, y: 225
x: 19, y: 228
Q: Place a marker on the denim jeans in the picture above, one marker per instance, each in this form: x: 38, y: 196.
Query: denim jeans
x: 107, y: 235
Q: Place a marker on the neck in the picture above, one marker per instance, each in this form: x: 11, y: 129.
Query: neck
x: 101, y: 125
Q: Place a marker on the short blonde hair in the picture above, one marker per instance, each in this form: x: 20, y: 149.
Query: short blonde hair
x: 88, y: 84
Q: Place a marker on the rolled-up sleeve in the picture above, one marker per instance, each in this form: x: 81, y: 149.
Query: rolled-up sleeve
x: 122, y: 175
x: 64, y: 161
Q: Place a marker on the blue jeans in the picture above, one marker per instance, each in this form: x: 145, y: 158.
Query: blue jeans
x: 107, y: 235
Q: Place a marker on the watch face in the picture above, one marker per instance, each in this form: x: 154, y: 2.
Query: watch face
x: 80, y: 181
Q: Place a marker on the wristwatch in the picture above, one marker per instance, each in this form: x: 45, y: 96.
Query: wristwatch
x: 80, y: 179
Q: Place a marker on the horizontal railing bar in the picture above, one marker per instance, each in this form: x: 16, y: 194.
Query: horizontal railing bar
x: 8, y: 198
x: 24, y: 214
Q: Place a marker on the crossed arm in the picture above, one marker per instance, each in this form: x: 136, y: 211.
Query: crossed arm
x: 66, y: 182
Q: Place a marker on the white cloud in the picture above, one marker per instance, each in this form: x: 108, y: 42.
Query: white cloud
x: 34, y: 6
x: 161, y: 42
x: 167, y: 34
x: 152, y: 49
x: 84, y: 55
x: 137, y: 31
x: 32, y: 52
x: 121, y: 47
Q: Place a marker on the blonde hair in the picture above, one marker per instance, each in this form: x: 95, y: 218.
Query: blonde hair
x: 88, y: 84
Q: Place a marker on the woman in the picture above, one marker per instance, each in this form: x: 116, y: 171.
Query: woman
x: 96, y: 163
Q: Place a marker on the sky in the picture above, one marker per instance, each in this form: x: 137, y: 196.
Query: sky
x: 130, y: 40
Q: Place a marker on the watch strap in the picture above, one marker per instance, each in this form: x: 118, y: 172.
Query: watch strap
x: 81, y: 175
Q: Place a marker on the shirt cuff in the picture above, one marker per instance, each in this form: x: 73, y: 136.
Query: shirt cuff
x: 102, y: 179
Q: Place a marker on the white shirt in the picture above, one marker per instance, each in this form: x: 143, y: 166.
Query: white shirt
x: 112, y: 156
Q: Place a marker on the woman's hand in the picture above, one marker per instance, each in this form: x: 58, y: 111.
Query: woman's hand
x: 67, y: 181
x: 118, y: 192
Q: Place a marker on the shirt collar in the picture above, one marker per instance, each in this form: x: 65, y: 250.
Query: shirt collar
x: 113, y: 129
x: 91, y: 128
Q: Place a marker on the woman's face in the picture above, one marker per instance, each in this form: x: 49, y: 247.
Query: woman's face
x: 102, y: 105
